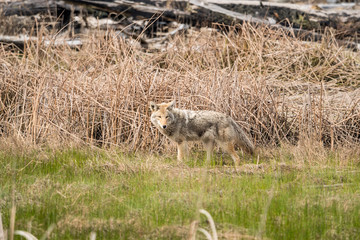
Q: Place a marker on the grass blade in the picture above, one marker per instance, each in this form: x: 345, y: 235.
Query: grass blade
x: 48, y: 232
x: 2, y: 235
x: 206, y: 233
x: 92, y: 236
x: 211, y: 222
x: 26, y: 235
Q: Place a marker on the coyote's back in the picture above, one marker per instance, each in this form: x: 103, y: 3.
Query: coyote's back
x: 209, y: 127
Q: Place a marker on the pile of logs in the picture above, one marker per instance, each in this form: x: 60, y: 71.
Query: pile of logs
x: 152, y: 21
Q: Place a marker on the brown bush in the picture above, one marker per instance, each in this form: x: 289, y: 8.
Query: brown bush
x: 278, y: 88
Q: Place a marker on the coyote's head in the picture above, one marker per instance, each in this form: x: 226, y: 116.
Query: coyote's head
x: 162, y: 115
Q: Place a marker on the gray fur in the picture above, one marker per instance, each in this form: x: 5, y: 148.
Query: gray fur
x: 207, y: 126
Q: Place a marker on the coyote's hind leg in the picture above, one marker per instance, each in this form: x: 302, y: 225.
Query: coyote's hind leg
x: 209, y: 146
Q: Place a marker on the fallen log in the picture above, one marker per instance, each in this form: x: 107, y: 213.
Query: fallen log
x: 128, y: 8
x: 21, y: 40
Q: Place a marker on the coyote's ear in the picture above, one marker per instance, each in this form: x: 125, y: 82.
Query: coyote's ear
x: 153, y: 106
x: 171, y: 105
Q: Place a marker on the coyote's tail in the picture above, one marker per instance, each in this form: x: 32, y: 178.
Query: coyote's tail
x: 242, y: 139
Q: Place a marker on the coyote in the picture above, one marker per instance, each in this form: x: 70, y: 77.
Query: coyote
x: 209, y: 127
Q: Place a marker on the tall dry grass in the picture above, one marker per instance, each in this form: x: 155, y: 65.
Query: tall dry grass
x: 278, y: 88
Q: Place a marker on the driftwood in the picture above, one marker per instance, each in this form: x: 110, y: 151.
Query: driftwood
x: 126, y: 8
x: 203, y: 12
x: 21, y: 40
x: 307, y: 24
x: 314, y: 34
x: 299, y: 21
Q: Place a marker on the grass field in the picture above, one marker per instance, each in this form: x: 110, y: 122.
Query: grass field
x: 122, y: 196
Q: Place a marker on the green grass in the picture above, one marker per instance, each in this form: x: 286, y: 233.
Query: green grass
x: 122, y: 196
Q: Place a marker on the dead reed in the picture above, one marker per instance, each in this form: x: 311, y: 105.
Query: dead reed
x: 278, y: 88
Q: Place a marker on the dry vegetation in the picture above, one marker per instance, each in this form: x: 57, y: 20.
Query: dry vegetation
x: 279, y: 89
x: 303, y: 97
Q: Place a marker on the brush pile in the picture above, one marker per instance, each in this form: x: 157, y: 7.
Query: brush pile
x: 280, y: 89
x: 153, y: 22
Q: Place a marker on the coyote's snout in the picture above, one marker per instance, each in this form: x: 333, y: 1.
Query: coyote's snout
x: 209, y: 127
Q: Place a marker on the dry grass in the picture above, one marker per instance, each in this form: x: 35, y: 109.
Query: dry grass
x: 279, y: 89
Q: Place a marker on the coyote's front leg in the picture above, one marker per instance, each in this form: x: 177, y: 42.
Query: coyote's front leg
x: 182, y: 151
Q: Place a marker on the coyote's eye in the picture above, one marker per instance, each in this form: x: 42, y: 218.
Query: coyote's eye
x: 167, y: 117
